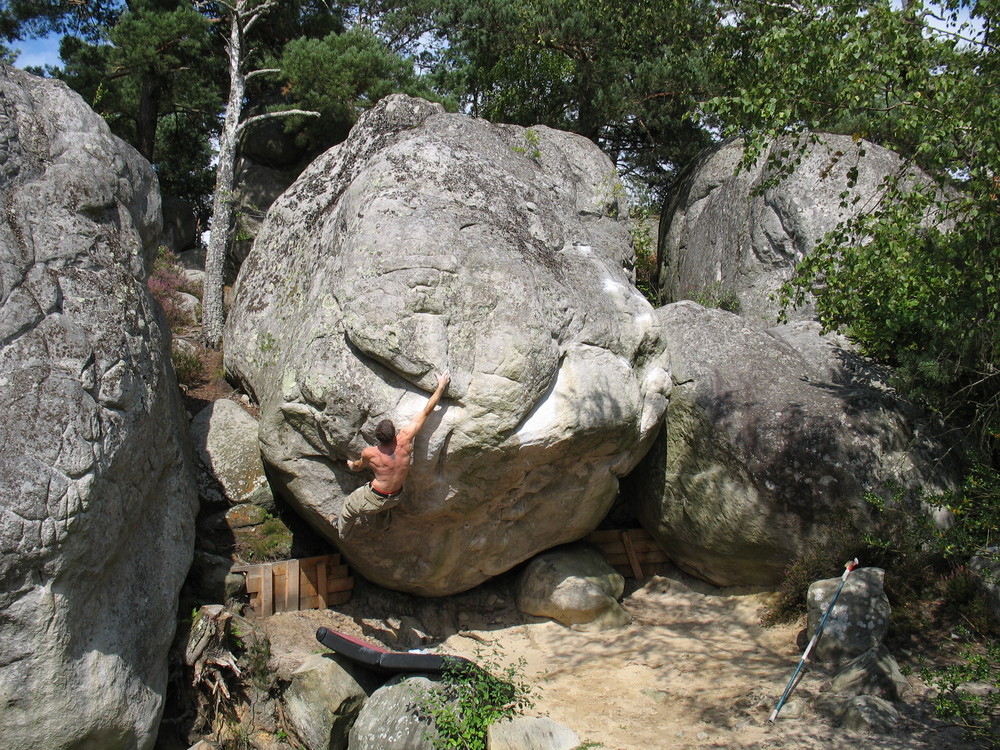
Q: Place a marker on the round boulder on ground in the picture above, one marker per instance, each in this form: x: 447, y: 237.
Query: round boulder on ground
x: 772, y: 439
x: 531, y: 733
x: 225, y: 437
x: 391, y: 717
x: 858, y: 621
x: 574, y: 585
x: 323, y: 701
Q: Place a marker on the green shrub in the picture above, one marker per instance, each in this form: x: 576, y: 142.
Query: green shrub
x: 271, y: 540
x: 188, y: 367
x: 976, y: 509
x: 644, y: 244
x: 471, y: 699
x: 165, y: 283
x: 898, y: 537
x: 968, y: 692
x: 821, y: 561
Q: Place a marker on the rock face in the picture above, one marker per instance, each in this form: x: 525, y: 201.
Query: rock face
x: 771, y: 440
x: 180, y: 227
x: 718, y: 239
x: 429, y: 241
x: 97, y: 499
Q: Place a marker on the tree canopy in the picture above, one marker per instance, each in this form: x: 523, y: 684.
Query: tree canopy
x: 912, y: 279
x: 622, y: 73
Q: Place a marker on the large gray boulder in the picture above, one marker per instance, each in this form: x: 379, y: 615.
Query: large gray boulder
x: 723, y: 238
x: 180, y: 226
x: 771, y: 440
x: 429, y: 241
x: 97, y: 499
x: 257, y: 187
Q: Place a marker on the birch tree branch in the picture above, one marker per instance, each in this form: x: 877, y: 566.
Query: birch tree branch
x: 273, y: 115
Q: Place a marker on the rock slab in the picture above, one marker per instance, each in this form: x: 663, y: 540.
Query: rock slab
x: 97, y: 497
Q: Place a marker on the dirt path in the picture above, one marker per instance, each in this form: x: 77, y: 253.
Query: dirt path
x: 693, y: 670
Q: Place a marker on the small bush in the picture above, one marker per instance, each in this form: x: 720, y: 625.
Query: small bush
x: 898, y: 538
x: 271, y: 540
x: 188, y: 367
x: 471, y: 699
x: 968, y: 692
x: 644, y: 244
x: 976, y: 510
x: 165, y: 284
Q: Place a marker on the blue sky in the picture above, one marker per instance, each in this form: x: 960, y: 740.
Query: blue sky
x: 37, y: 51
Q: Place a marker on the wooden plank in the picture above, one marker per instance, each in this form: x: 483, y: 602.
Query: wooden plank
x: 340, y: 597
x: 254, y: 582
x: 645, y: 559
x: 307, y: 581
x: 292, y: 570
x: 632, y: 559
x: 279, y: 571
x: 288, y: 585
x: 266, y: 595
x: 321, y: 586
x: 339, y: 584
x: 644, y: 545
x: 637, y: 544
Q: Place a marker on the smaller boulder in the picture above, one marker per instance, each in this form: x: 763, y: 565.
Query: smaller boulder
x: 322, y: 702
x: 391, y: 717
x: 244, y: 515
x: 858, y: 621
x: 194, y: 279
x: 226, y: 439
x: 868, y: 713
x: 574, y: 585
x: 210, y: 580
x: 531, y: 733
x: 188, y: 306
x: 875, y: 672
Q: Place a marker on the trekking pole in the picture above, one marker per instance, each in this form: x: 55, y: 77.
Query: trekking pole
x: 812, y: 641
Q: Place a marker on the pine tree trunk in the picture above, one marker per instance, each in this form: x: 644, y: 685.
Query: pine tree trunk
x: 222, y: 202
x: 149, y: 113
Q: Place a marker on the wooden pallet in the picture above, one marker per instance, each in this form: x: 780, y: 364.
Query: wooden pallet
x: 289, y: 585
x: 628, y: 550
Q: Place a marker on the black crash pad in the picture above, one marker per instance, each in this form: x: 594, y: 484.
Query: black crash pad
x: 363, y: 652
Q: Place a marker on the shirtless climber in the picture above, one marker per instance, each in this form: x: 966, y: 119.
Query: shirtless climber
x: 390, y: 461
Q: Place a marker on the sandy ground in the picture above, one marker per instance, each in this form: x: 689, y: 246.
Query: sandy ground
x: 694, y: 669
